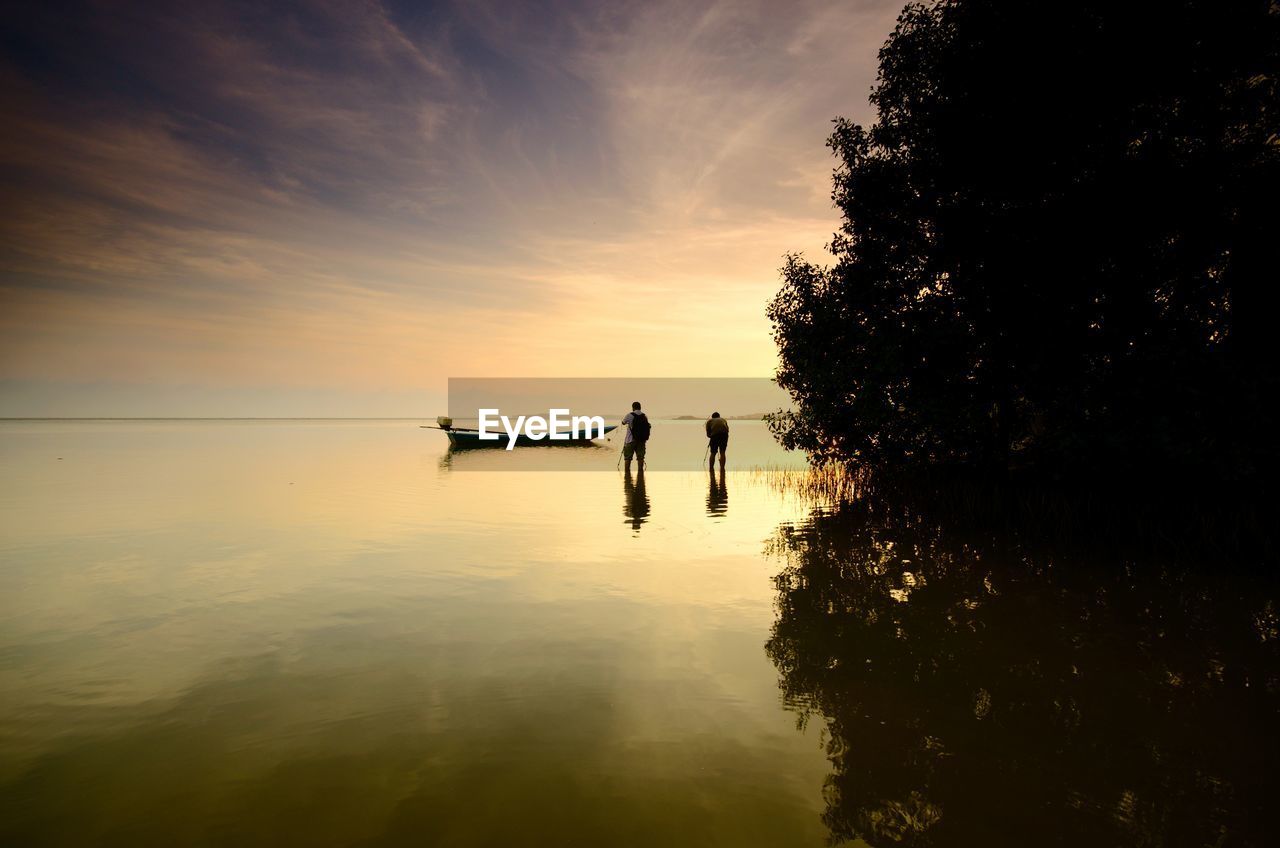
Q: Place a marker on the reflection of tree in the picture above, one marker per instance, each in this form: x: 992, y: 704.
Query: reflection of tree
x: 717, y: 494
x: 635, y: 503
x: 973, y: 696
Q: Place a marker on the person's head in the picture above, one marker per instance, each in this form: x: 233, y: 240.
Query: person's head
x: 715, y: 415
x: 635, y: 405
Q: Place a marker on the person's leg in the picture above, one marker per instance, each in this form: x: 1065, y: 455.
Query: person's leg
x: 628, y: 450
x: 718, y: 445
x: 639, y: 446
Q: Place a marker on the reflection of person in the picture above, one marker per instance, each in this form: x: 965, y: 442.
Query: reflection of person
x: 635, y: 504
x: 718, y: 434
x: 717, y: 494
x: 637, y: 424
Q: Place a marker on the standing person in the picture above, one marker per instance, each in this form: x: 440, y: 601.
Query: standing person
x: 638, y: 429
x: 718, y: 434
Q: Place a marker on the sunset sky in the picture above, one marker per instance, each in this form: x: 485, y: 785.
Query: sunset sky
x: 238, y: 209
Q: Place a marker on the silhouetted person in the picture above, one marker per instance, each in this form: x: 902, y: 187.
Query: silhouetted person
x: 637, y: 424
x: 718, y: 434
x: 635, y: 504
x: 717, y: 493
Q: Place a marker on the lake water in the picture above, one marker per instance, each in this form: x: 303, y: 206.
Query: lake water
x: 340, y: 633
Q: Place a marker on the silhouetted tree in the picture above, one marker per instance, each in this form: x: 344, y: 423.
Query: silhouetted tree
x: 1058, y: 245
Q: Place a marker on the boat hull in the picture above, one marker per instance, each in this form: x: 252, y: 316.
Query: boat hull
x: 471, y: 439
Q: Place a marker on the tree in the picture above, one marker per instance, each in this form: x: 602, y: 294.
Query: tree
x: 1058, y: 245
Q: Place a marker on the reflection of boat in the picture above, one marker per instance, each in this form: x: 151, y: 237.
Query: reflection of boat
x: 464, y: 437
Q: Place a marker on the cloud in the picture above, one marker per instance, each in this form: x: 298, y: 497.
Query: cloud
x: 363, y: 194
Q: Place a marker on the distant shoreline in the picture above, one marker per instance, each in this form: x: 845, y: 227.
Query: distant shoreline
x: 208, y: 418
x: 759, y: 416
x: 296, y: 418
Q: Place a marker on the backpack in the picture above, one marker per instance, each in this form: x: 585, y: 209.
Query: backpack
x: 640, y: 427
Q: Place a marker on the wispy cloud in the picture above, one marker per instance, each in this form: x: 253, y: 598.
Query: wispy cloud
x: 365, y: 195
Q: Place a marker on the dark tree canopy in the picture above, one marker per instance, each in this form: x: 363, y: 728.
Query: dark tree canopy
x: 1058, y: 247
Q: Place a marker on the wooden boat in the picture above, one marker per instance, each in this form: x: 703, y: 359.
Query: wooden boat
x: 463, y: 437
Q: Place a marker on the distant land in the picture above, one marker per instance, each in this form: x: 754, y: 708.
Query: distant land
x: 754, y: 416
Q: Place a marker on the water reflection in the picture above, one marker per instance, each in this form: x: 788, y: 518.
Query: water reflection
x: 306, y: 633
x: 635, y: 503
x: 717, y: 494
x: 978, y: 694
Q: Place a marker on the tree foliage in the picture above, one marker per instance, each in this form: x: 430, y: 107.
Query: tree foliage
x: 1058, y: 246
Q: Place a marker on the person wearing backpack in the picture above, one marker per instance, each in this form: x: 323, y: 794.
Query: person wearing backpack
x: 638, y: 429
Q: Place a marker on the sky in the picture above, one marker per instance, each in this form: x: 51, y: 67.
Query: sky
x: 329, y: 208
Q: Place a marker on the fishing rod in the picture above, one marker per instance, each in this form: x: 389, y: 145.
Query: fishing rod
x: 622, y: 446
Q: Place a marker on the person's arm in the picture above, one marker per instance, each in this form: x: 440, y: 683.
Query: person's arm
x: 708, y: 426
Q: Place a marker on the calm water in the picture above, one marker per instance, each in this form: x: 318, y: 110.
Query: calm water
x: 338, y: 633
